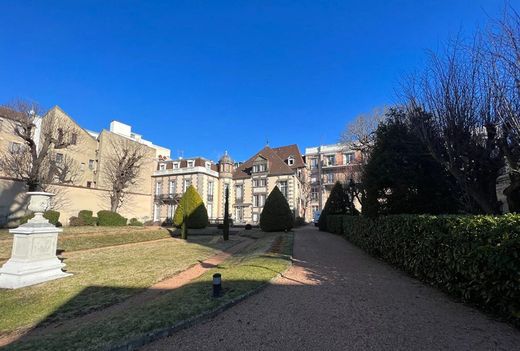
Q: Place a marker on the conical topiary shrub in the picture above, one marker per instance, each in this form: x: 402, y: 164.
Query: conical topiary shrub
x: 276, y: 215
x: 337, y: 203
x: 192, y: 207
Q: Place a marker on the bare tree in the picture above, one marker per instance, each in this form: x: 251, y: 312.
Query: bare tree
x: 305, y: 192
x: 450, y: 108
x: 38, y: 159
x: 504, y: 73
x: 122, y: 169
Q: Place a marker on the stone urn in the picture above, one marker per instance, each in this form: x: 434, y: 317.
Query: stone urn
x: 33, y: 256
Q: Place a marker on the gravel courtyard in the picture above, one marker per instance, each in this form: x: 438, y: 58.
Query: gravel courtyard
x: 336, y: 297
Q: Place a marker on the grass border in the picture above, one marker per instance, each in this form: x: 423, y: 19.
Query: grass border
x: 152, y: 336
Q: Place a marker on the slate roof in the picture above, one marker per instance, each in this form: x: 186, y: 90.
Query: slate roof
x: 277, y: 161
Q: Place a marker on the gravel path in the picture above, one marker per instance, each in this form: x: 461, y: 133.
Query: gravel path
x: 336, y: 297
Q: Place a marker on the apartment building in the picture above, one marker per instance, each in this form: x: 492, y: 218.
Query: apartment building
x: 86, y: 158
x: 249, y: 183
x: 328, y: 164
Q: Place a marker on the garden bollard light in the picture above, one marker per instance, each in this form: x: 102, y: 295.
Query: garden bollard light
x: 217, y: 284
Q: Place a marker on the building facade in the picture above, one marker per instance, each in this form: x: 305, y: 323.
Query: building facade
x: 86, y: 186
x: 326, y: 165
x: 248, y: 183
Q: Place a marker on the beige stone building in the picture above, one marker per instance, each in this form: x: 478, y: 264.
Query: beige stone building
x: 86, y: 158
x: 328, y: 164
x: 249, y: 183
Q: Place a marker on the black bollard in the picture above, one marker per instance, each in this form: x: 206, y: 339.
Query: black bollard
x: 217, y: 284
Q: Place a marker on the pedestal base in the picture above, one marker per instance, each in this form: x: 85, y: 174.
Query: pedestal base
x: 15, y: 274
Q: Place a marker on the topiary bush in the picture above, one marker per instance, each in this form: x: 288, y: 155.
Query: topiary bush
x: 76, y: 222
x: 248, y: 227
x: 191, y: 206
x: 276, y: 215
x: 86, y: 217
x: 135, y: 223
x: 110, y: 219
x: 474, y: 258
x: 52, y: 216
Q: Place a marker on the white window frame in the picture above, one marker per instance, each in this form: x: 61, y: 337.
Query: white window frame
x: 158, y: 188
x: 191, y: 163
x: 162, y: 166
x: 175, y: 165
x: 290, y: 161
x: 186, y: 184
x: 171, y: 187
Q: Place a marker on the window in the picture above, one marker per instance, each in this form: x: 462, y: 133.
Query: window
x: 60, y: 135
x: 290, y: 161
x: 59, y: 158
x: 283, y: 187
x: 315, y: 209
x: 187, y: 183
x: 171, y: 187
x: 314, y: 179
x: 82, y: 167
x: 331, y: 160
x: 314, y: 192
x: 259, y: 182
x: 155, y: 212
x: 262, y: 167
x: 255, y: 217
x: 176, y: 165
x: 158, y: 188
x: 191, y: 163
x: 15, y: 148
x: 314, y: 163
x: 90, y: 164
x: 210, y: 191
x: 89, y: 184
x: 162, y: 166
x: 239, y: 197
x: 210, y: 210
x: 330, y: 178
x: 349, y: 158
x: 258, y: 200
x: 74, y: 138
x: 208, y: 165
x: 170, y: 211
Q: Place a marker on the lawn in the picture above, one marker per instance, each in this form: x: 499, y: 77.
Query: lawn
x: 127, y: 270
x: 241, y: 274
x: 81, y: 238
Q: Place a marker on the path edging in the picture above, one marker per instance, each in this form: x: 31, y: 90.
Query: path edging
x: 136, y: 343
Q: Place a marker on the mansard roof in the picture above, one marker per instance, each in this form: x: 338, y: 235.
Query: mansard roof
x: 277, y: 161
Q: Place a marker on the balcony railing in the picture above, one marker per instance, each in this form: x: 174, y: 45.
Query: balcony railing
x: 166, y: 197
x: 210, y: 198
x: 239, y: 200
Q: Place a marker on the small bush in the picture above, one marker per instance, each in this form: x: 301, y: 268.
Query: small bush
x: 474, y: 258
x: 168, y: 222
x: 248, y: 227
x: 110, y: 219
x: 276, y: 215
x: 76, y: 222
x: 52, y: 216
x: 86, y: 217
x: 135, y: 223
x: 148, y: 223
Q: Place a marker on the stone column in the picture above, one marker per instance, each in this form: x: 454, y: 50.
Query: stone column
x: 33, y: 256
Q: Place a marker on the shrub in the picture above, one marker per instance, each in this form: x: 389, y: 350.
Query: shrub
x: 148, y: 223
x: 110, y: 219
x: 52, y: 216
x: 248, y: 227
x: 276, y: 215
x: 474, y: 258
x: 191, y: 206
x: 135, y: 223
x: 86, y: 217
x: 76, y: 222
x: 168, y: 222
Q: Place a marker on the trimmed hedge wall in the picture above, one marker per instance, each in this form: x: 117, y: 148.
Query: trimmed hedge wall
x: 474, y: 258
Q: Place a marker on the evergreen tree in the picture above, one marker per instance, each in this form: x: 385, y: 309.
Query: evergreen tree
x: 339, y: 202
x: 402, y: 177
x: 276, y: 215
x: 191, y: 212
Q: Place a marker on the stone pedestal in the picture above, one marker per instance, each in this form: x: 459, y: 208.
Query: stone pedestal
x: 33, y: 257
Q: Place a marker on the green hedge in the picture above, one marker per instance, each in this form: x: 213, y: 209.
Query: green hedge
x: 474, y: 258
x: 111, y: 219
x: 86, y: 217
x: 52, y: 216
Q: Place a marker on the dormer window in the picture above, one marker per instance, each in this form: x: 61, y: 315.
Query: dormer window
x: 262, y: 167
x: 290, y: 161
x: 175, y: 165
x: 208, y: 165
x: 162, y: 166
x: 191, y: 163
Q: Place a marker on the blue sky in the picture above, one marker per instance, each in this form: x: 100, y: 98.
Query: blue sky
x: 203, y: 77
